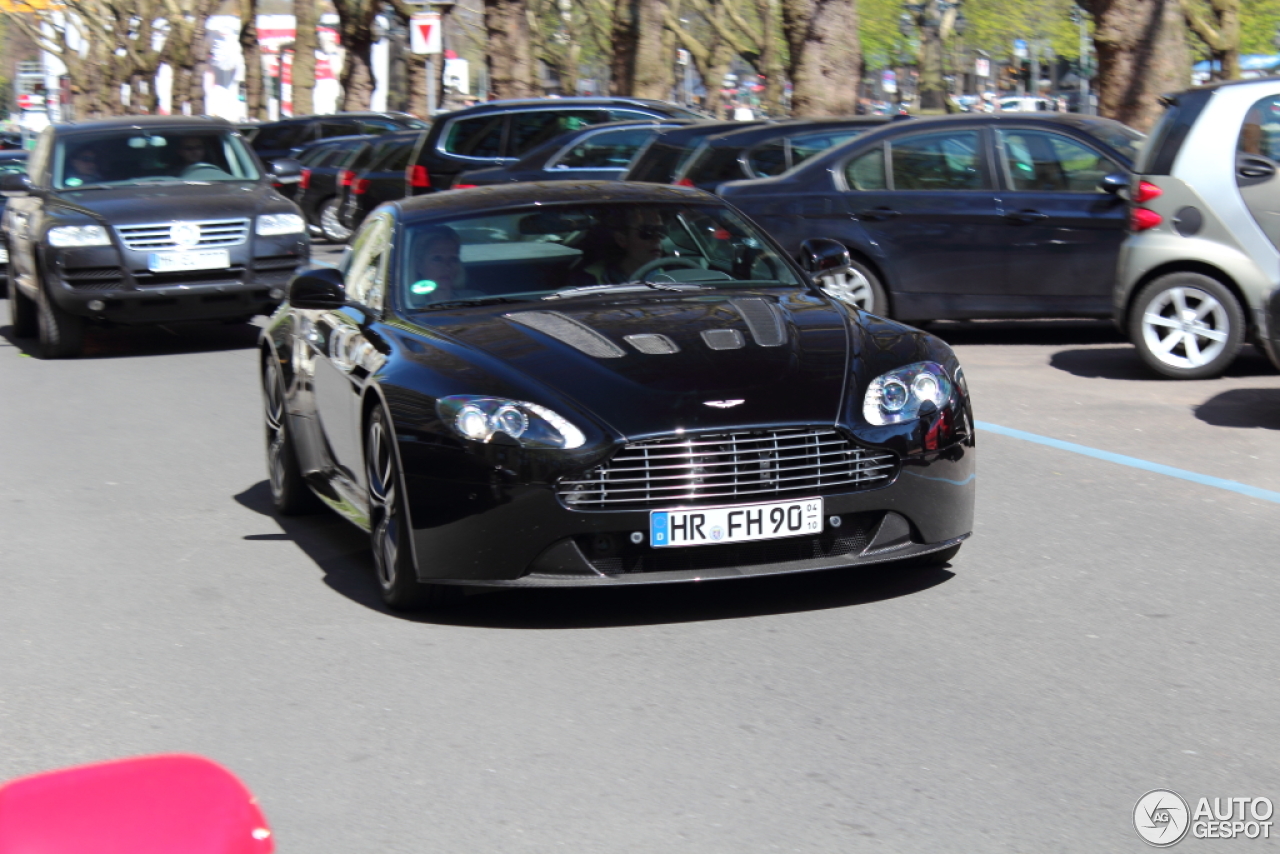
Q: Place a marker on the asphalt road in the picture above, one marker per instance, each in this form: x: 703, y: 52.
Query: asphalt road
x: 1106, y: 631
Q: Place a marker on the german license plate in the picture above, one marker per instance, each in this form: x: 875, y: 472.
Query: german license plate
x: 740, y: 523
x: 178, y: 262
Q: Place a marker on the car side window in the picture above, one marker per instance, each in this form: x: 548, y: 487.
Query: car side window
x: 627, y: 116
x: 531, y: 128
x: 866, y: 171
x: 769, y: 159
x: 1260, y: 133
x: 1042, y: 161
x: 811, y: 144
x: 604, y: 150
x: 366, y: 270
x: 329, y: 129
x: 938, y: 161
x: 375, y: 126
x: 476, y: 137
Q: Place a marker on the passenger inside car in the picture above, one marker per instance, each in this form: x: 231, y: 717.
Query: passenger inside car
x: 82, y: 167
x: 615, y: 252
x: 441, y: 276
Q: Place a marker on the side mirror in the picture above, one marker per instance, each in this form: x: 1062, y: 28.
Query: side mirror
x: 147, y: 805
x: 16, y: 183
x: 286, y: 170
x: 320, y: 288
x: 1115, y: 184
x: 820, y: 254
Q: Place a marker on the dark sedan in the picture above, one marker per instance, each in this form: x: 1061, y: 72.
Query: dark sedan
x: 997, y: 215
x: 661, y: 160
x: 596, y: 153
x: 376, y: 179
x: 317, y: 194
x: 597, y: 384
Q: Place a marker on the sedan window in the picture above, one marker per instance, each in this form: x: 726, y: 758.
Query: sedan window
x: 866, y: 172
x: 604, y: 150
x: 938, y: 161
x: 810, y: 145
x: 534, y: 127
x: 477, y: 137
x: 1050, y: 162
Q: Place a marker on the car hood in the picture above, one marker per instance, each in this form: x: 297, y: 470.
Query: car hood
x: 785, y: 357
x: 145, y: 203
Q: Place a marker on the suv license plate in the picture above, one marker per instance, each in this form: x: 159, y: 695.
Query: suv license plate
x: 740, y: 523
x: 178, y: 262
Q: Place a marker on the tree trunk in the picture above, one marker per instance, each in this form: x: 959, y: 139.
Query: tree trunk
x: 825, y: 55
x: 625, y: 43
x: 1220, y: 33
x: 305, y: 43
x: 254, y: 102
x: 355, y: 29
x: 654, y: 62
x: 1142, y: 53
x: 509, y: 59
x: 771, y: 60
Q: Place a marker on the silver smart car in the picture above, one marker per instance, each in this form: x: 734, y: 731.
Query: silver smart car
x: 1203, y: 253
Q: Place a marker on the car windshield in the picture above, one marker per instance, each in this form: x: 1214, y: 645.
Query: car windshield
x: 136, y: 156
x: 560, y: 252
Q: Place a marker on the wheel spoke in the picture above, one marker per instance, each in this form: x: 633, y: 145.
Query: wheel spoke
x: 1159, y: 320
x: 1206, y: 307
x: 1170, y: 341
x: 1193, y: 349
x: 1212, y: 334
x: 1179, y: 300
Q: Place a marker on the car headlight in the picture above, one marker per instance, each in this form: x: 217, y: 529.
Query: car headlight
x: 270, y: 225
x: 78, y: 235
x: 532, y: 426
x: 898, y: 395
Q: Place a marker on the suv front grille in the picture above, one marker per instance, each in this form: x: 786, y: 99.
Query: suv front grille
x: 747, y: 464
x: 156, y: 237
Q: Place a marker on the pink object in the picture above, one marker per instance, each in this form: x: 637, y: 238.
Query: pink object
x: 148, y: 805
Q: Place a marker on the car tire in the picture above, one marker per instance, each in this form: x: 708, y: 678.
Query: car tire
x: 1187, y: 326
x: 389, y: 529
x: 855, y: 285
x: 331, y: 224
x: 290, y: 494
x: 61, y: 333
x: 22, y: 311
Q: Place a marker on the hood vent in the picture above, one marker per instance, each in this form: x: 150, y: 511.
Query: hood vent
x: 763, y: 320
x: 653, y: 344
x: 571, y: 332
x: 723, y: 339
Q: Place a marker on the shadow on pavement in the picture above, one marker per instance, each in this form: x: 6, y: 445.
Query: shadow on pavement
x: 1124, y: 363
x: 342, y: 553
x: 1052, y: 332
x: 1242, y: 407
x: 170, y: 339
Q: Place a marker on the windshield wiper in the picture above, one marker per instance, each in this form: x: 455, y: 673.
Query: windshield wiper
x: 624, y: 287
x: 463, y: 303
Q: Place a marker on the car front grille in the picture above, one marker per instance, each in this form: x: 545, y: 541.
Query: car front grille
x: 755, y: 465
x: 156, y: 237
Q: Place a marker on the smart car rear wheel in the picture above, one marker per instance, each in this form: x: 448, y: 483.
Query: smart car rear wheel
x: 22, y: 311
x: 1187, y: 326
x: 857, y: 286
x: 330, y: 225
x: 389, y: 534
x: 61, y: 333
x: 289, y: 491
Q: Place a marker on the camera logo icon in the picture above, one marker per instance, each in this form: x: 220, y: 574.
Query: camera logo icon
x: 1161, y: 818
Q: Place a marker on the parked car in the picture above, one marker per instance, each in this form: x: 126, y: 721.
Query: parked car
x: 1202, y: 256
x: 317, y: 194
x: 308, y: 156
x: 971, y: 215
x: 662, y: 159
x: 378, y: 179
x: 11, y: 163
x: 710, y: 414
x: 593, y: 153
x: 274, y: 140
x: 762, y: 151
x: 145, y: 219
x: 499, y: 132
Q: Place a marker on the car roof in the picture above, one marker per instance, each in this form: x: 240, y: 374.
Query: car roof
x: 500, y: 196
x: 564, y: 103
x: 143, y: 123
x: 699, y: 129
x: 758, y: 133
x: 1224, y: 84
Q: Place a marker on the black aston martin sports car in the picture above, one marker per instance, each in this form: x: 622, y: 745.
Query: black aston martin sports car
x: 590, y: 383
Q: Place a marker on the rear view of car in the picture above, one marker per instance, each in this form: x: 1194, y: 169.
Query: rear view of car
x: 381, y: 181
x: 1202, y: 256
x: 317, y: 193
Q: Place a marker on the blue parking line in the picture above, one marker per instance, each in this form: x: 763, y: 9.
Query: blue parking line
x: 1134, y: 462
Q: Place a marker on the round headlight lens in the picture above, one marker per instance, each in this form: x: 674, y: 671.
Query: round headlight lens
x: 894, y: 395
x: 511, y: 421
x: 926, y: 388
x: 472, y: 423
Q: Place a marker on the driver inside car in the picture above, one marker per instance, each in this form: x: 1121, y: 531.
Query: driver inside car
x: 628, y: 247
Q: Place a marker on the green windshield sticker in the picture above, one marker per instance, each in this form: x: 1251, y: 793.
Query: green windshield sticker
x: 425, y: 286
x: 74, y: 182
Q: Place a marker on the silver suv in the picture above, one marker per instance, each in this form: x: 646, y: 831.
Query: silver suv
x: 1203, y: 252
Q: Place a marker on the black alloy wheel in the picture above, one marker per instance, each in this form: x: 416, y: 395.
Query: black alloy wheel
x: 289, y: 492
x: 855, y: 285
x: 61, y: 333
x: 389, y: 524
x: 22, y: 311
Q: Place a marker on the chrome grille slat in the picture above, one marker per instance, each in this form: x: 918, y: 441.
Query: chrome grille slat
x: 214, y: 233
x: 720, y: 466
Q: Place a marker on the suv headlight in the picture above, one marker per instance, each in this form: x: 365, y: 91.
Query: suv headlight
x: 78, y: 235
x: 532, y: 426
x: 271, y: 225
x: 898, y: 395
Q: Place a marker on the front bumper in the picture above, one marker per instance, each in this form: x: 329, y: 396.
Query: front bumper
x: 114, y: 284
x: 499, y: 535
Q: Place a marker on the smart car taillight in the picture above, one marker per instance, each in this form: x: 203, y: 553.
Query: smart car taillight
x: 1140, y: 219
x: 345, y: 177
x: 1146, y: 192
x: 360, y: 187
x: 305, y: 180
x: 683, y: 182
x: 418, y: 176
